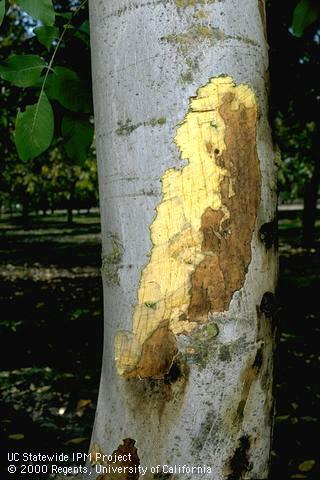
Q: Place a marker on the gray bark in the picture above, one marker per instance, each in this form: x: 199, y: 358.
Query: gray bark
x: 216, y: 409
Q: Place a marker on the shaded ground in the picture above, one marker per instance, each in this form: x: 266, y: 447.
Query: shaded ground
x: 296, y: 448
x: 51, y: 332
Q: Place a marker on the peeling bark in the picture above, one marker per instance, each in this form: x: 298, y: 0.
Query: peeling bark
x: 202, y: 231
x: 227, y: 236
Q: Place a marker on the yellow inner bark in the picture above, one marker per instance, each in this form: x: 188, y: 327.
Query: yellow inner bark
x: 164, y: 289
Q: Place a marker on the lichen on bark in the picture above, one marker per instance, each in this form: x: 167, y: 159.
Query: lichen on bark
x: 202, y: 230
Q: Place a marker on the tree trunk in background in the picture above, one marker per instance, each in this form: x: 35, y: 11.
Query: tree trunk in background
x: 69, y: 215
x: 70, y: 205
x: 25, y: 213
x: 187, y: 197
x: 310, y: 205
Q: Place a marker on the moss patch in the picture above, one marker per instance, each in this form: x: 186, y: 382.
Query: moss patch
x: 193, y: 3
x: 194, y: 34
x: 187, y: 76
x: 127, y: 127
x: 200, y: 33
x: 202, y: 347
x: 112, y: 260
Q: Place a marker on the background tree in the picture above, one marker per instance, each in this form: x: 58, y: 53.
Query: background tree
x: 60, y: 97
x: 295, y: 100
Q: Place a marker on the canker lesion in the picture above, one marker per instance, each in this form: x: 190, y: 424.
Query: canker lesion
x: 202, y: 230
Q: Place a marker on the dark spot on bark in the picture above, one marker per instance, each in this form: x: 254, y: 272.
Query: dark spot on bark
x: 127, y: 447
x: 224, y: 354
x: 217, y: 151
x: 209, y: 147
x: 240, y: 409
x: 155, y: 394
x: 268, y: 234
x: 239, y: 463
x: 269, y: 305
x: 174, y: 373
x: 258, y: 359
x: 248, y: 377
x: 162, y: 476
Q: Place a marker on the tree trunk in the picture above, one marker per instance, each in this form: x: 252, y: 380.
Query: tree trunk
x: 70, y: 203
x: 25, y: 213
x: 310, y: 206
x: 69, y: 214
x: 187, y: 197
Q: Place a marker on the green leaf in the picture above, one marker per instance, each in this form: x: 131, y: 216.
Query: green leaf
x: 83, y: 37
x: 68, y: 26
x: 16, y: 436
x: 85, y: 27
x: 83, y: 33
x: 64, y: 86
x: 34, y: 129
x: 2, y: 10
x: 66, y: 15
x: 78, y: 133
x: 306, y: 466
x: 309, y: 419
x: 282, y: 418
x: 305, y: 13
x: 40, y: 9
x: 22, y: 70
x: 46, y: 35
x: 76, y: 441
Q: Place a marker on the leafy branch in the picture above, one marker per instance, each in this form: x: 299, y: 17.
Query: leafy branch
x: 65, y: 28
x: 34, y: 128
x: 306, y: 13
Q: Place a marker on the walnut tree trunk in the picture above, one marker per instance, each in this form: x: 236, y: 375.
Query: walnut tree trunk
x: 187, y: 196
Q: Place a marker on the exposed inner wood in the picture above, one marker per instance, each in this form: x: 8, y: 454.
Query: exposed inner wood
x: 226, y: 240
x: 154, y: 357
x: 202, y: 231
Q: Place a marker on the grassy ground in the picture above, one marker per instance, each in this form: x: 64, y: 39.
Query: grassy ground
x: 51, y: 332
